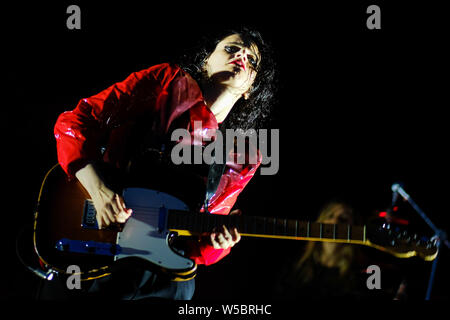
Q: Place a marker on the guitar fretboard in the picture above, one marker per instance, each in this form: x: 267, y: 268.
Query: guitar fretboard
x: 196, y: 223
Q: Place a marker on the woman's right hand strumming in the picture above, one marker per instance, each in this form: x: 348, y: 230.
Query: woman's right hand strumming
x: 109, y: 205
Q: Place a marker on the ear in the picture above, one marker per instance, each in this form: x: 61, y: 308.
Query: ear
x: 203, y: 65
x: 205, y: 62
x: 247, y: 94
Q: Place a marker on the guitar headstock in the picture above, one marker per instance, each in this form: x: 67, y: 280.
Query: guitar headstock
x: 401, y: 242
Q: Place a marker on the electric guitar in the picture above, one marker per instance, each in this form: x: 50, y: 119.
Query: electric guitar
x: 65, y: 231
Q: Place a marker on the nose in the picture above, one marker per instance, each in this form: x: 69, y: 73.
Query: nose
x: 242, y: 54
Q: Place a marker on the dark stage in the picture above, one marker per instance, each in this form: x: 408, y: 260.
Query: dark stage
x: 357, y: 110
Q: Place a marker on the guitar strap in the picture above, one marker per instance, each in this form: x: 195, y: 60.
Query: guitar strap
x: 214, y: 175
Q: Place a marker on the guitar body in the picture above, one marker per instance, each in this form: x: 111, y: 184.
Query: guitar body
x: 66, y: 233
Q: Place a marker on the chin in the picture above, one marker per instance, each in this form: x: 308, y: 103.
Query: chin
x: 234, y: 80
x: 237, y: 81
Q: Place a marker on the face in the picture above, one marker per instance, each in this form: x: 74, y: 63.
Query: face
x: 338, y: 214
x: 233, y: 65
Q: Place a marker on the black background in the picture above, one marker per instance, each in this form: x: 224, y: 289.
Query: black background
x: 358, y: 110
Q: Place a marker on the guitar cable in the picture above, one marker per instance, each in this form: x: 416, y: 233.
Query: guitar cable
x: 46, y: 275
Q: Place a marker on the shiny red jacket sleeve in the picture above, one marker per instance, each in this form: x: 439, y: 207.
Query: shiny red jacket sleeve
x: 231, y: 185
x: 79, y: 132
x: 233, y: 181
x: 203, y: 253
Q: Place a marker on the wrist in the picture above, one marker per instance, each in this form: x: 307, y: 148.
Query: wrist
x: 91, y: 181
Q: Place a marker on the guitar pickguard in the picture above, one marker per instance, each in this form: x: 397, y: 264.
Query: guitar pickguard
x: 143, y: 235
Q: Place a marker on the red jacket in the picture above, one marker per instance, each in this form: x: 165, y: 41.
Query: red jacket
x: 166, y: 92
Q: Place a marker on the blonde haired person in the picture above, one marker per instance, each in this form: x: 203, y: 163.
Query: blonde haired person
x: 328, y: 254
x: 325, y: 269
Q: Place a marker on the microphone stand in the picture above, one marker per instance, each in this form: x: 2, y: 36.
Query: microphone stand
x: 439, y: 234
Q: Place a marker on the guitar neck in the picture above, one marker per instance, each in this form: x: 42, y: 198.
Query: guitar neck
x: 188, y: 224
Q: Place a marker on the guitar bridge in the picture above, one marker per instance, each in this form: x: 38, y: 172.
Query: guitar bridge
x: 88, y: 247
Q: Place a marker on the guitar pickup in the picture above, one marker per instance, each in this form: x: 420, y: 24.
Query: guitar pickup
x: 89, y: 219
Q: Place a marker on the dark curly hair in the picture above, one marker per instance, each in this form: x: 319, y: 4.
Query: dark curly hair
x: 254, y: 112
